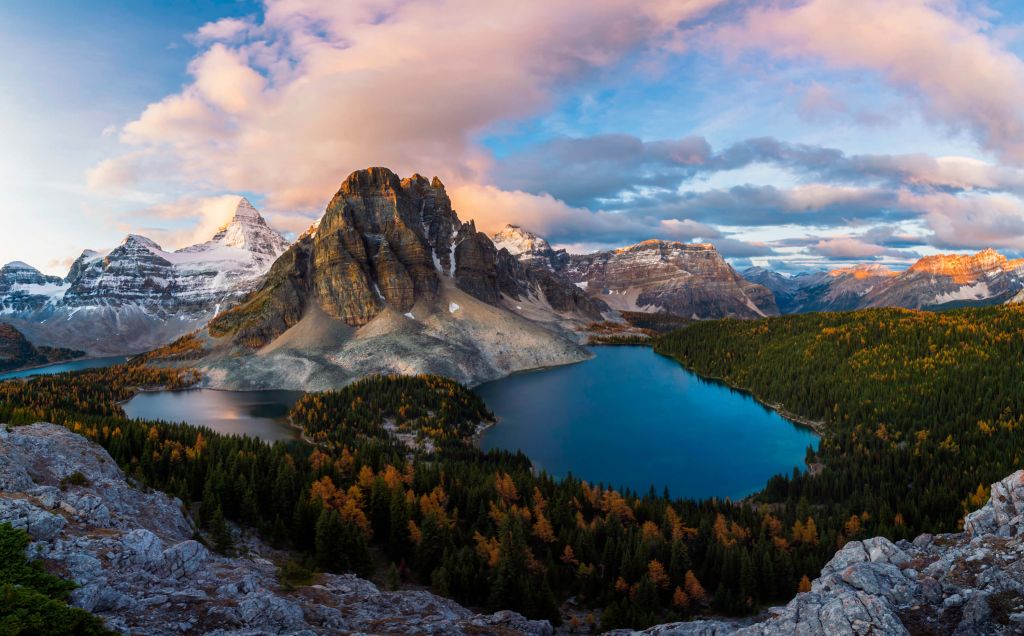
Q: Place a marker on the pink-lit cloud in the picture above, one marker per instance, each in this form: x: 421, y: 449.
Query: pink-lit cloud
x: 931, y: 49
x: 318, y: 89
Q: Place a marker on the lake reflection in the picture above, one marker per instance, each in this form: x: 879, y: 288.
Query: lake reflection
x: 262, y: 414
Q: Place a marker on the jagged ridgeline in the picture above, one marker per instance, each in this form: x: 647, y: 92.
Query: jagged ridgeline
x: 383, y: 242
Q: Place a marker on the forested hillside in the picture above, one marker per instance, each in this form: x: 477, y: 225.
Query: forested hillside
x: 922, y: 410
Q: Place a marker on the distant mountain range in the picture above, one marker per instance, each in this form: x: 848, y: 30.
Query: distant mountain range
x: 139, y: 296
x: 944, y: 281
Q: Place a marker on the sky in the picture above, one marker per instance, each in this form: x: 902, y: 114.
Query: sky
x: 793, y: 134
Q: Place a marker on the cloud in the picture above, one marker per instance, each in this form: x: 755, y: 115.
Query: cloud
x: 291, y: 105
x: 580, y: 229
x: 196, y: 219
x: 928, y: 49
x: 598, y: 171
x: 974, y: 221
x: 851, y: 248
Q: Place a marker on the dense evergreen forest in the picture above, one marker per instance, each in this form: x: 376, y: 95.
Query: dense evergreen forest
x: 921, y: 412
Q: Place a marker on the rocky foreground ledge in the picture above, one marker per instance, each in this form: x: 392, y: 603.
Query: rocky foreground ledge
x: 132, y: 554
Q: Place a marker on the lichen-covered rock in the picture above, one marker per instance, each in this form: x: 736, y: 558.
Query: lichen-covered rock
x: 138, y: 567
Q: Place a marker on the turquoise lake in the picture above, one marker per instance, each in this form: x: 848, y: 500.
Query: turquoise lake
x: 633, y: 418
x: 627, y: 418
x: 61, y: 367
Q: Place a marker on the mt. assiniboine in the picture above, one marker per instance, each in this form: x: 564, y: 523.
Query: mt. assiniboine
x: 139, y: 296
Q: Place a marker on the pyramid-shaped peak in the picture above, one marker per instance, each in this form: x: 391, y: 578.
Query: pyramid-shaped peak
x: 246, y: 210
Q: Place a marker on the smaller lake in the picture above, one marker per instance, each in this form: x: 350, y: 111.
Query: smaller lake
x: 633, y: 418
x: 62, y: 367
x: 262, y: 414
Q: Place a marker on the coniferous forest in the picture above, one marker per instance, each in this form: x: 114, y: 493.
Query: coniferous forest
x: 920, y: 412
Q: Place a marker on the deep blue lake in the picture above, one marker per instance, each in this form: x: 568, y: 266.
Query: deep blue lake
x: 61, y: 367
x: 632, y: 418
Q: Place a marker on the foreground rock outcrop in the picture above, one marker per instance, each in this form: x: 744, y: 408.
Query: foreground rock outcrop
x: 966, y: 584
x: 137, y: 566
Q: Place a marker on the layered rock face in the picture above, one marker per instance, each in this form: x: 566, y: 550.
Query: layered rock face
x: 691, y: 280
x: 137, y: 566
x: 952, y: 280
x: 138, y: 296
x: 959, y: 584
x: 654, y: 276
x: 391, y: 263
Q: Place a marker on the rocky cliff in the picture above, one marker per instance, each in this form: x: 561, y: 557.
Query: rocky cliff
x: 967, y: 584
x: 391, y: 280
x: 690, y: 280
x: 138, y: 567
x: 138, y: 295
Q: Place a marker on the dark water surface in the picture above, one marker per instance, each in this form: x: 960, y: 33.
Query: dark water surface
x: 61, y: 367
x: 632, y: 418
x: 262, y: 414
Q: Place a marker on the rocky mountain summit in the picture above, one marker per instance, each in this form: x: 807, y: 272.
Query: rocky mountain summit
x: 690, y: 280
x: 138, y: 295
x: 24, y: 289
x: 967, y: 584
x: 133, y: 555
x: 391, y: 280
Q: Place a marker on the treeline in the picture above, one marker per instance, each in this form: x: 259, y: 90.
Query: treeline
x: 480, y: 527
x: 922, y: 410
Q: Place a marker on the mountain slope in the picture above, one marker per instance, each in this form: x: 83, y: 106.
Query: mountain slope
x: 391, y: 280
x: 139, y: 296
x: 690, y: 280
x: 836, y: 290
x: 17, y: 352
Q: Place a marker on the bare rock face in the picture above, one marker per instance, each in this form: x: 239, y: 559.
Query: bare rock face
x: 138, y: 568
x: 840, y: 289
x: 959, y: 584
x: 691, y: 280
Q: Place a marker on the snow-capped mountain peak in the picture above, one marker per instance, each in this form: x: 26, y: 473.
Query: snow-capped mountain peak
x: 247, y: 231
x: 519, y: 241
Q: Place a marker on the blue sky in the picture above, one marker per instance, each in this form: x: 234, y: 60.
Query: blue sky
x: 797, y: 133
